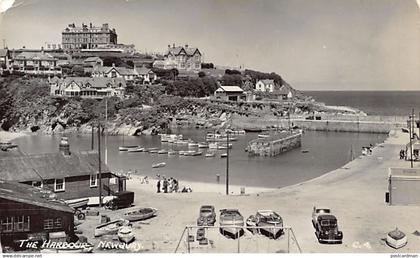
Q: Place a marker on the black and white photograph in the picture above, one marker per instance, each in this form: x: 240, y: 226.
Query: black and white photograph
x: 209, y: 126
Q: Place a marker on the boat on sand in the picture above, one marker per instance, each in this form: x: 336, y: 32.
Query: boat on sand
x: 159, y: 165
x: 140, y: 214
x: 125, y: 234
x: 111, y: 227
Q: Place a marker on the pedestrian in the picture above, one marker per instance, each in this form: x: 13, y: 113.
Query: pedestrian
x: 165, y: 185
x: 158, y: 186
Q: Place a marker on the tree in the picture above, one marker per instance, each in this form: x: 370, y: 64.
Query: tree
x: 130, y: 63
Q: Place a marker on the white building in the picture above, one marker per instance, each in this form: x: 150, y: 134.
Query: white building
x: 266, y: 85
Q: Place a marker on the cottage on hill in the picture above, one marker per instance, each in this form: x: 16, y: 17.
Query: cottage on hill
x: 146, y: 74
x: 32, y: 213
x: 69, y: 175
x: 266, y: 85
x: 86, y: 87
x: 232, y: 93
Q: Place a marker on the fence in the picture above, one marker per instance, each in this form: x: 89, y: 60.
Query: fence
x: 248, y: 239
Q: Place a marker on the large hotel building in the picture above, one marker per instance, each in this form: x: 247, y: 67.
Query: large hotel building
x: 87, y: 36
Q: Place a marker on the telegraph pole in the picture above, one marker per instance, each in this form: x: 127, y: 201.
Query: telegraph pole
x: 227, y: 163
x: 410, y: 133
x: 106, y: 131
x: 92, y: 139
x: 99, y: 165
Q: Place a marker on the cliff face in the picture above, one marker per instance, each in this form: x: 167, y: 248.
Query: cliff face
x: 25, y: 105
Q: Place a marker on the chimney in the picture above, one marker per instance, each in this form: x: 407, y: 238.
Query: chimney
x: 90, y: 25
x: 42, y: 50
x: 64, y: 146
x: 169, y: 46
x: 186, y: 45
x: 173, y: 45
x: 113, y: 64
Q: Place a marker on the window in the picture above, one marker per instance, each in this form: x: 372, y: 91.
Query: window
x: 48, y: 224
x: 39, y: 184
x: 6, y: 224
x: 60, y: 185
x: 93, y: 180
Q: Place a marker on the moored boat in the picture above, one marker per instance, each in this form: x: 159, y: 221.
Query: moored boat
x: 210, y: 154
x: 162, y: 152
x: 137, y: 149
x: 264, y: 135
x: 140, y: 214
x: 203, y: 145
x: 159, y: 165
x: 172, y: 153
x: 223, y: 155
x: 125, y: 234
x: 127, y: 147
x: 111, y: 227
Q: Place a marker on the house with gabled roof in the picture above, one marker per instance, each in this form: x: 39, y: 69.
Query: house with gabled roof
x: 113, y: 71
x: 85, y: 87
x: 231, y: 93
x: 146, y: 74
x: 183, y: 57
x: 266, y: 85
x: 67, y: 174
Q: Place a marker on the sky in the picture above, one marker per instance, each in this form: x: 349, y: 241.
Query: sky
x: 312, y: 44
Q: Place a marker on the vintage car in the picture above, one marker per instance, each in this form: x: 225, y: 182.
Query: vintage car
x: 270, y: 222
x: 317, y: 211
x: 122, y: 199
x: 207, y: 216
x: 327, y: 229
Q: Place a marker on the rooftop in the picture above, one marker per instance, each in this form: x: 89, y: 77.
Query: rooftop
x: 231, y: 88
x: 49, y: 166
x: 30, y: 195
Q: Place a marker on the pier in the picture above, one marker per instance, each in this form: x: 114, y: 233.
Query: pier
x: 275, y: 144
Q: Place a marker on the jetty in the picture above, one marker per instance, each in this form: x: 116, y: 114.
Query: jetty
x: 274, y: 144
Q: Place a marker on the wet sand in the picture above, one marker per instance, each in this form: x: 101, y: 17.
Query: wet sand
x: 354, y: 192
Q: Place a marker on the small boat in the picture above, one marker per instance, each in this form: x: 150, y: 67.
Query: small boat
x: 181, y: 142
x: 111, y: 227
x: 223, y: 155
x: 305, y: 151
x: 213, y: 145
x: 125, y: 234
x: 127, y: 147
x: 264, y: 135
x: 162, y: 152
x: 270, y: 222
x: 253, y: 130
x: 223, y: 146
x: 172, y: 152
x: 396, y: 239
x: 203, y: 145
x: 78, y: 203
x: 210, y: 154
x: 138, y: 149
x: 182, y: 153
x: 236, y: 132
x: 231, y: 221
x: 193, y: 153
x: 159, y: 165
x: 140, y: 214
x: 192, y: 145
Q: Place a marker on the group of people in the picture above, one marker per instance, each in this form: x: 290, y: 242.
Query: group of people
x: 167, y: 185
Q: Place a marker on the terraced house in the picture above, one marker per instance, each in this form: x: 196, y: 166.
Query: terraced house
x: 85, y: 87
x: 36, y: 63
x: 183, y: 58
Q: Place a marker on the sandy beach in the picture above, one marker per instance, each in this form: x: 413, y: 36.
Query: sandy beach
x: 354, y: 192
x: 9, y: 136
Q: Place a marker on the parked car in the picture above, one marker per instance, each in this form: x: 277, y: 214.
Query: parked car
x: 266, y: 219
x: 318, y: 211
x: 327, y: 229
x: 122, y: 199
x: 207, y: 216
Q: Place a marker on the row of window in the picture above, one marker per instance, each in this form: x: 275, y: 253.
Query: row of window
x: 60, y: 184
x: 23, y: 224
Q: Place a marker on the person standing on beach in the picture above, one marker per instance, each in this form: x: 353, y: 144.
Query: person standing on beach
x: 165, y: 185
x: 158, y: 186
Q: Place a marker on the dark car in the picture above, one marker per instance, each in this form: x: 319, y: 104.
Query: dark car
x: 207, y: 216
x: 122, y: 199
x: 327, y: 229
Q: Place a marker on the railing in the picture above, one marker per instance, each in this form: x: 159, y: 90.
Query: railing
x: 287, y: 231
